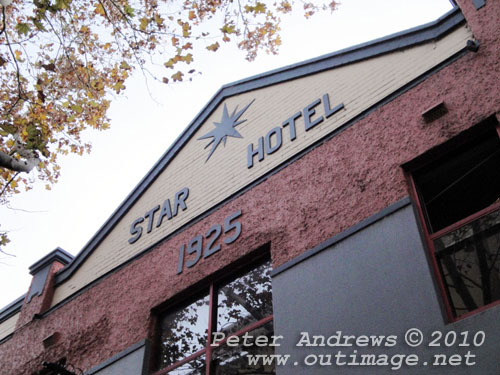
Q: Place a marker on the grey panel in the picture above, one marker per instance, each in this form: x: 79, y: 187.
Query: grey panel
x: 38, y: 283
x: 132, y: 361
x: 375, y: 282
x: 479, y: 3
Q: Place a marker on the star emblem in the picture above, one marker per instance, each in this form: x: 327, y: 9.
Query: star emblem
x: 225, y: 128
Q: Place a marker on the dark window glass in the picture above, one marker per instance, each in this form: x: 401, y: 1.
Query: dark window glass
x: 469, y: 261
x: 239, y: 305
x: 462, y: 183
x: 194, y: 367
x: 184, y: 332
x: 245, y: 300
x: 459, y: 197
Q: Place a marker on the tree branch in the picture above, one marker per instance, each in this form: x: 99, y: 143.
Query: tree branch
x: 3, y: 21
x: 9, y: 162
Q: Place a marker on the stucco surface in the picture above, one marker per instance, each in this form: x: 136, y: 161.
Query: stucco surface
x: 345, y: 180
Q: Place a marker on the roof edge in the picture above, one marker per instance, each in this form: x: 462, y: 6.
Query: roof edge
x: 12, y: 308
x: 57, y: 254
x: 400, y: 39
x: 407, y: 38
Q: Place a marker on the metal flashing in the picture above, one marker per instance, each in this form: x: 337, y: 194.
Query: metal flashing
x: 6, y: 338
x: 58, y: 254
x: 431, y: 31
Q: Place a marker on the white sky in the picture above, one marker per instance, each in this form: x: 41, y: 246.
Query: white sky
x: 144, y: 125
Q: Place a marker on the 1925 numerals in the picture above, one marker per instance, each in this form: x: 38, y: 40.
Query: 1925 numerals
x: 195, y: 249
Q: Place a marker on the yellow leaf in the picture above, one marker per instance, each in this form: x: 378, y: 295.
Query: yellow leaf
x: 185, y: 29
x: 177, y: 76
x: 159, y: 20
x: 213, y: 47
x: 188, y: 59
x: 125, y: 66
x: 118, y: 86
x: 77, y: 108
x: 99, y: 10
x: 144, y: 23
x: 260, y: 7
x: 191, y: 15
x: 228, y: 29
x: 169, y: 64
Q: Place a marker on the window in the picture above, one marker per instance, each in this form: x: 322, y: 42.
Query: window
x: 194, y: 336
x: 458, y: 198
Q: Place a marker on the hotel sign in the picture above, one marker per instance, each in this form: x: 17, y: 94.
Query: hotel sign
x: 313, y: 115
x: 272, y: 141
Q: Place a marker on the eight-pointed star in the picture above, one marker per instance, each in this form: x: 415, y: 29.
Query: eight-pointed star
x: 225, y: 128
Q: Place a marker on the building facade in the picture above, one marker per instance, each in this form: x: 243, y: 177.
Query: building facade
x: 337, y: 215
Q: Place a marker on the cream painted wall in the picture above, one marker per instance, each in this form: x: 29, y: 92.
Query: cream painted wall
x: 8, y: 326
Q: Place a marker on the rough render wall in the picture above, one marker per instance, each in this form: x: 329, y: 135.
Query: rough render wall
x: 349, y: 178
x: 39, y: 303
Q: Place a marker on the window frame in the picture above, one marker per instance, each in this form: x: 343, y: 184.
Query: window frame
x: 417, y: 164
x: 197, y: 291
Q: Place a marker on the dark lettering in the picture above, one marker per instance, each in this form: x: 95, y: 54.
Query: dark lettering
x: 136, y: 229
x: 229, y: 225
x: 210, y: 249
x: 259, y: 151
x: 309, y: 112
x: 291, y: 122
x: 194, y: 247
x: 180, y: 263
x: 180, y: 198
x: 165, y: 211
x: 328, y: 110
x: 270, y: 149
x: 150, y: 215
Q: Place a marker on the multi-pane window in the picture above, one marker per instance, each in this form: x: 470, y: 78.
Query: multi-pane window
x: 459, y: 202
x: 193, y: 337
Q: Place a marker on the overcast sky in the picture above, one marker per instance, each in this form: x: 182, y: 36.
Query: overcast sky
x: 146, y: 121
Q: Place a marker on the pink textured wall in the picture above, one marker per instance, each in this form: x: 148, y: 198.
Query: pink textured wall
x: 349, y: 178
